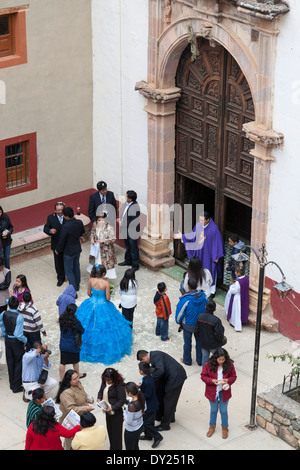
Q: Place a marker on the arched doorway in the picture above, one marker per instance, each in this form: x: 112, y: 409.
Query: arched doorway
x: 213, y: 164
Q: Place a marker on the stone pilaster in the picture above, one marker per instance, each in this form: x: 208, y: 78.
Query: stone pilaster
x: 265, y: 141
x: 161, y: 108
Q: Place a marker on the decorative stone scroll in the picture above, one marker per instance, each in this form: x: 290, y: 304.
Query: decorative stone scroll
x: 267, y: 9
x: 267, y: 138
x: 157, y: 95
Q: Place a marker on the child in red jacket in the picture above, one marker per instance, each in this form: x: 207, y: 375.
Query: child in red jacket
x: 163, y: 311
x: 218, y: 374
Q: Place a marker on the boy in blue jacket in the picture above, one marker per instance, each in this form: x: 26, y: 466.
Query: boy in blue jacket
x: 148, y: 390
x: 190, y: 305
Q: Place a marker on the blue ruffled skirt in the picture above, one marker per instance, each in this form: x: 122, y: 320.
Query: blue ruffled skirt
x: 108, y: 335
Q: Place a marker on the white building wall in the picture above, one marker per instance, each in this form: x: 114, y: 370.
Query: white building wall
x: 283, y: 238
x: 120, y: 34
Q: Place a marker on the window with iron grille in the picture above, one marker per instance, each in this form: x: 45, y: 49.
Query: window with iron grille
x: 18, y: 165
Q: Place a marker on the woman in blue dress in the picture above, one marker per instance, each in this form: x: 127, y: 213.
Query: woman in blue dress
x: 108, y: 335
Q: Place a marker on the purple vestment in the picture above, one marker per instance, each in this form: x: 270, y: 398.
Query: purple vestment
x: 244, y: 295
x: 206, y: 243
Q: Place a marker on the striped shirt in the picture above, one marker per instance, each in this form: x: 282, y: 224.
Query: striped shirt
x: 32, y: 411
x: 32, y: 318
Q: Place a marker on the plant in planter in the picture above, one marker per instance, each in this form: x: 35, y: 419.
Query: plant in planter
x: 294, y: 375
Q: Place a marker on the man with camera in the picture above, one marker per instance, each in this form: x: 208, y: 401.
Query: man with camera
x: 35, y: 374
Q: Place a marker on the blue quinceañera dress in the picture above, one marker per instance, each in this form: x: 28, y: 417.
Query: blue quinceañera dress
x: 108, y: 335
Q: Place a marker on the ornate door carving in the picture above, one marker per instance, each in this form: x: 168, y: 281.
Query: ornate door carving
x: 211, y: 147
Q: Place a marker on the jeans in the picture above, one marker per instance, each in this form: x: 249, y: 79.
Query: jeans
x: 187, y: 348
x: 222, y: 406
x: 162, y: 328
x: 72, y: 270
x: 206, y: 354
x: 6, y: 252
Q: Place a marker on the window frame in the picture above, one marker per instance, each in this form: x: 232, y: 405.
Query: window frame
x: 17, y: 19
x: 32, y: 162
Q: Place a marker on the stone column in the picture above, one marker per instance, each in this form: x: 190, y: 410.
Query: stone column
x: 265, y: 141
x: 161, y: 109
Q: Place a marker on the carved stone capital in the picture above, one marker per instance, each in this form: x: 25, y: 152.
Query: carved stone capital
x: 158, y: 95
x: 267, y: 138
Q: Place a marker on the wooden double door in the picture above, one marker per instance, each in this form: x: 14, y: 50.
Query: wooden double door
x: 214, y: 166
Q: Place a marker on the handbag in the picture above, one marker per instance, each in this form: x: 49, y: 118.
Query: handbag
x: 43, y: 377
x: 224, y: 340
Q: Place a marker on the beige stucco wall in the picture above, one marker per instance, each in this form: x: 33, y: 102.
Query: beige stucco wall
x: 52, y: 96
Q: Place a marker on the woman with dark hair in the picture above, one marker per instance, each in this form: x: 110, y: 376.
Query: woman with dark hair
x: 72, y: 396
x: 128, y: 291
x: 44, y: 432
x: 6, y: 229
x: 149, y: 392
x: 5, y: 280
x: 202, y: 276
x: 133, y: 416
x: 20, y: 287
x: 70, y: 340
x: 112, y: 391
x: 218, y: 374
x: 108, y: 336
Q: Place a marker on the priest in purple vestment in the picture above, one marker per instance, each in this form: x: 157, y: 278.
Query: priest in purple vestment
x: 206, y: 242
x: 237, y: 301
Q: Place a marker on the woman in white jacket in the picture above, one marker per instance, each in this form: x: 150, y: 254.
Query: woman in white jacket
x: 128, y: 292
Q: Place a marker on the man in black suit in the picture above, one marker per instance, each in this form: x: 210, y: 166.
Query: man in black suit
x: 53, y: 228
x: 69, y: 244
x: 107, y: 202
x: 130, y: 230
x: 169, y: 377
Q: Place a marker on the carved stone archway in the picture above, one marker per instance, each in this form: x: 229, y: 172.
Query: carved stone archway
x: 248, y: 30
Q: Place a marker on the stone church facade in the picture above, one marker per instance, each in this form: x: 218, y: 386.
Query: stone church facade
x: 183, y: 123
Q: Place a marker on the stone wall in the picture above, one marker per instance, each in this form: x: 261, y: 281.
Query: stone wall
x: 279, y: 415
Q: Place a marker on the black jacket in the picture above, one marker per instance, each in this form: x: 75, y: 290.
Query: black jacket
x: 149, y: 392
x: 167, y: 370
x: 53, y: 222
x: 69, y: 240
x: 210, y: 330
x: 7, y: 280
x: 116, y: 396
x: 5, y: 224
x: 95, y: 202
x: 130, y: 227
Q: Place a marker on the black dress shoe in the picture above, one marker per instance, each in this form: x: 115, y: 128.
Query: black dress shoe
x: 124, y: 264
x: 135, y: 268
x: 60, y: 283
x: 162, y: 428
x: 156, y: 442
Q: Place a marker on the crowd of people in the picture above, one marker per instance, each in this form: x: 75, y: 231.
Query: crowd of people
x: 97, y: 331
